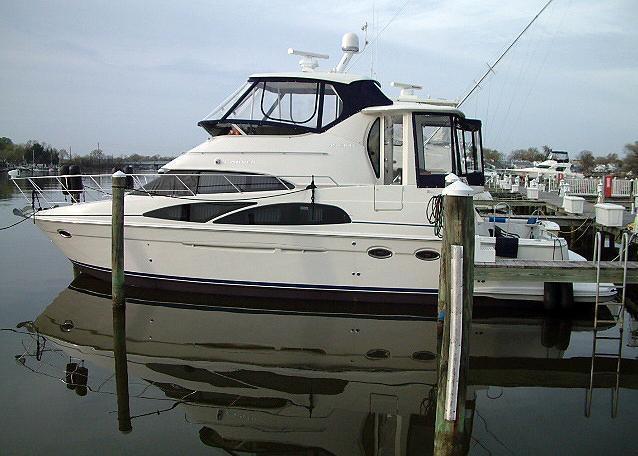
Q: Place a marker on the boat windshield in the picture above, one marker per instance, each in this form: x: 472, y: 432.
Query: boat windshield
x: 559, y: 155
x: 229, y: 102
x: 287, y: 106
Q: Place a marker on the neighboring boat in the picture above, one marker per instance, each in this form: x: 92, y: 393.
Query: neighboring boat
x: 311, y: 184
x: 556, y: 165
x: 22, y: 171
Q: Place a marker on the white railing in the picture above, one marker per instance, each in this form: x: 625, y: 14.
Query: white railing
x: 49, y: 191
x: 621, y: 187
x: 584, y: 187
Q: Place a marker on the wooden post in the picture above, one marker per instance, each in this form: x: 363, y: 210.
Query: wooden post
x: 117, y: 239
x: 456, y: 288
x: 119, y: 302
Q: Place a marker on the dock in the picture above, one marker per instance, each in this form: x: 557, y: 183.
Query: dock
x: 555, y: 271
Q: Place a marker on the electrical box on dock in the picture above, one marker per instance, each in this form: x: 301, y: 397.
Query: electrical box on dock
x: 532, y: 193
x: 574, y: 204
x: 608, y: 214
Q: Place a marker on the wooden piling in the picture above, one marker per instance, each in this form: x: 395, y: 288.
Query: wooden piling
x: 455, y: 309
x: 119, y: 303
x: 117, y: 239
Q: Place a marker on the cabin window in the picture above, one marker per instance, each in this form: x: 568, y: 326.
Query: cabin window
x: 288, y: 214
x: 433, y: 143
x: 393, y: 150
x: 207, y: 183
x: 195, y: 212
x: 374, y: 146
x: 470, y: 154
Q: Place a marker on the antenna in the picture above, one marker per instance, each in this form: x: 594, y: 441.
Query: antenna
x: 350, y: 47
x: 308, y: 60
x: 490, y: 68
x: 407, y: 90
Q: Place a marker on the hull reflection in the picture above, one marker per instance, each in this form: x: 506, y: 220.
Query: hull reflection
x: 261, y: 380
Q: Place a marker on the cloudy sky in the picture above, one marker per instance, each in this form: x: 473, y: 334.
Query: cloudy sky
x: 137, y: 76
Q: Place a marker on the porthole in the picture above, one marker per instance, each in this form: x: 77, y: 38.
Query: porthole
x: 64, y: 233
x: 378, y: 353
x: 379, y: 252
x: 423, y: 356
x: 427, y: 255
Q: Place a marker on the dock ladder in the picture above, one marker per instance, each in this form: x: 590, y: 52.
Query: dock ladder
x: 601, y: 325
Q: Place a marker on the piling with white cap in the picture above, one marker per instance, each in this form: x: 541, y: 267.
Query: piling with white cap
x: 456, y: 288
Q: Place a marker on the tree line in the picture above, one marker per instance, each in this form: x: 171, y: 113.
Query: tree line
x: 588, y: 162
x: 41, y: 153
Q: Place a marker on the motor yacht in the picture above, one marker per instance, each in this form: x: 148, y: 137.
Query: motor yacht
x: 311, y: 183
x: 557, y: 165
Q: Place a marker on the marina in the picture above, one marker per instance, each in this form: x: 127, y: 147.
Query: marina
x: 343, y: 263
x: 228, y: 378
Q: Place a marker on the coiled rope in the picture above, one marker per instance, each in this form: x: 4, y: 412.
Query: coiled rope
x: 434, y: 214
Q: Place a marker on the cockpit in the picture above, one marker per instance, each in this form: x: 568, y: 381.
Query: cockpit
x: 277, y: 105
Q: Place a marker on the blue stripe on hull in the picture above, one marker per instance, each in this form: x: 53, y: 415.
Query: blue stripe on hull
x: 290, y: 286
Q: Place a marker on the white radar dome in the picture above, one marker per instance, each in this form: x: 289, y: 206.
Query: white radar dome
x: 350, y: 42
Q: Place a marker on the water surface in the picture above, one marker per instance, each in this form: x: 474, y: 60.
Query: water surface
x: 223, y: 376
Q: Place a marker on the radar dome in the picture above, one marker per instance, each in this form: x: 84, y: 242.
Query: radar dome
x: 350, y: 42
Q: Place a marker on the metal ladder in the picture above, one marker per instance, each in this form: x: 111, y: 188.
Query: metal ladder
x: 618, y: 320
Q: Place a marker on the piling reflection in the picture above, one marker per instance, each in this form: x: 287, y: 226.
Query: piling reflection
x: 276, y: 381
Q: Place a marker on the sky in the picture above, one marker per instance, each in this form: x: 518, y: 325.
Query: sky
x: 137, y: 76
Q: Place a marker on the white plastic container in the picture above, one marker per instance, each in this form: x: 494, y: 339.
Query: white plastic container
x: 532, y: 193
x: 574, y: 204
x: 608, y: 214
x: 515, y: 188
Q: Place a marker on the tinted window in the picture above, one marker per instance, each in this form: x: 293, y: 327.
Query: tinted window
x: 374, y: 146
x: 169, y: 184
x: 256, y: 183
x: 288, y: 214
x: 207, y: 183
x: 195, y: 212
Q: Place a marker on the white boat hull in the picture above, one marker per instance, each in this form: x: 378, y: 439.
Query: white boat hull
x: 311, y: 264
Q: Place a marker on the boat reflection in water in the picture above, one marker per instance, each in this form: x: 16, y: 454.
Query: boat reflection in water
x: 273, y: 381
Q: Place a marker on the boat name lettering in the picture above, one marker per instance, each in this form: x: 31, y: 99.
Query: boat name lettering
x: 341, y: 145
x: 241, y: 162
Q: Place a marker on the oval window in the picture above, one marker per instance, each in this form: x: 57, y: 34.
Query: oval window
x: 427, y: 255
x: 64, y: 233
x: 378, y: 353
x: 379, y: 252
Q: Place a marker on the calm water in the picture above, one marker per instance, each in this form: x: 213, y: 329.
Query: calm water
x: 204, y: 378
